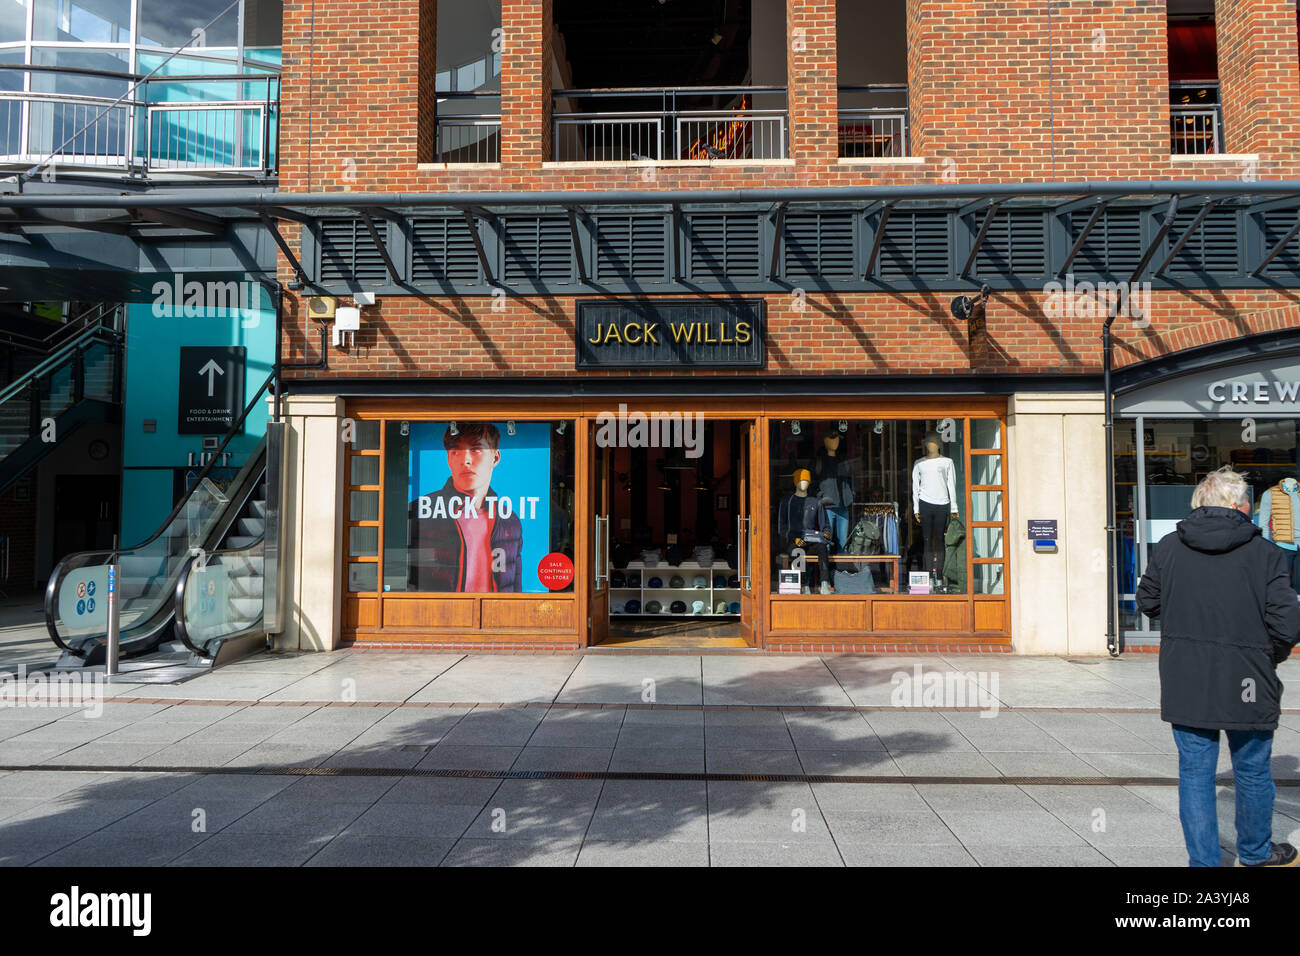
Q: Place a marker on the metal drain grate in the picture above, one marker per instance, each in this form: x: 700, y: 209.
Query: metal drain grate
x: 626, y: 775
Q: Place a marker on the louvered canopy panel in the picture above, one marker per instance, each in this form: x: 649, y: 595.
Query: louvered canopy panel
x: 1212, y: 248
x: 1015, y: 244
x: 725, y: 246
x: 1276, y: 223
x: 442, y: 250
x: 1113, y: 248
x: 631, y: 247
x: 818, y: 246
x: 916, y: 243
x: 348, y: 252
x: 538, y: 248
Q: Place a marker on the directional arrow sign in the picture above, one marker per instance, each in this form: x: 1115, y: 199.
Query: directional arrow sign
x: 210, y: 370
x: 211, y: 388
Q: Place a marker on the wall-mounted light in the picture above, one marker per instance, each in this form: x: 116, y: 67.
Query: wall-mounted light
x: 559, y: 429
x: 454, y: 430
x: 796, y: 429
x: 879, y: 428
x: 844, y: 427
x: 510, y: 428
x: 405, y: 429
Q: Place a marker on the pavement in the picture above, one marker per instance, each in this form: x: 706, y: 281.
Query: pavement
x: 363, y: 757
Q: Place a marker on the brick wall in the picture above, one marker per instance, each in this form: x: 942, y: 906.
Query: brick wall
x: 998, y: 92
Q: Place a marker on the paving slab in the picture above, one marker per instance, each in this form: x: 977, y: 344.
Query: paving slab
x: 484, y: 852
x: 1046, y: 856
x: 635, y: 679
x: 881, y: 681
x: 832, y: 731
x: 502, y: 678
x: 651, y: 853
x: 861, y: 854
x: 410, y: 849
x: 771, y: 681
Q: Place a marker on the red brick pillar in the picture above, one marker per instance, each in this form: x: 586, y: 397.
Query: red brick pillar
x: 1259, y: 77
x: 525, y: 82
x: 426, y: 129
x: 811, y: 71
x: 333, y: 68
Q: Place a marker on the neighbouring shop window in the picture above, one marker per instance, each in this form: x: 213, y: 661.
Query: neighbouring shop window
x: 858, y: 507
x: 478, y: 507
x: 1158, y: 463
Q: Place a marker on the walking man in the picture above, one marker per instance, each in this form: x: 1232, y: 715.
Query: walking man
x: 1228, y: 617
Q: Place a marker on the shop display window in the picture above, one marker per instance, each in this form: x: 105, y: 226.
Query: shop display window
x: 886, y: 506
x: 461, y: 507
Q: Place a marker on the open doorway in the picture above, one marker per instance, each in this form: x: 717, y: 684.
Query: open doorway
x: 676, y: 522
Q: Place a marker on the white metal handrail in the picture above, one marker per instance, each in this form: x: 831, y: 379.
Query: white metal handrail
x: 873, y: 131
x: 1196, y: 129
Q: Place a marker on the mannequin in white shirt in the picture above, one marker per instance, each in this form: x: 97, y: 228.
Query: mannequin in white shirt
x: 934, y: 499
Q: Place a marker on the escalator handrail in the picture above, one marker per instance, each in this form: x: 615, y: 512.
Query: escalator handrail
x: 83, y: 558
x: 183, y: 583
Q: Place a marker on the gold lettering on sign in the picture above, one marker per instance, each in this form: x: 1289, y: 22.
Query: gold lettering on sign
x: 722, y: 330
x: 628, y: 330
x: 612, y: 335
x: 708, y: 340
x: 650, y: 329
x: 742, y: 333
x: 596, y: 340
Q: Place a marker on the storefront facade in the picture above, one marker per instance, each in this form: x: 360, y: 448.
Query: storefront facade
x: 1238, y: 405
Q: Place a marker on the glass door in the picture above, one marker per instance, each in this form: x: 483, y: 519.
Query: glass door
x: 598, y: 550
x: 747, y: 462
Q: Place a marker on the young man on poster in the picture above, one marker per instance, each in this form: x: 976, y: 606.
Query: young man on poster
x: 460, y: 542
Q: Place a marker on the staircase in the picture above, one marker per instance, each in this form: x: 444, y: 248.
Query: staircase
x: 78, y: 381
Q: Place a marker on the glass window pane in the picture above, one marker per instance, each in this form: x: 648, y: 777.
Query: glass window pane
x: 861, y: 482
x: 363, y: 577
x: 113, y: 61
x: 263, y: 28
x: 82, y: 21
x: 367, y: 436
x: 469, y: 43
x: 363, y: 542
x: 988, y: 542
x: 986, y: 505
x: 365, y: 470
x: 985, y: 433
x: 13, y: 20
x: 988, y: 578
x: 365, y: 506
x: 986, y: 469
x: 172, y: 23
x: 476, y: 511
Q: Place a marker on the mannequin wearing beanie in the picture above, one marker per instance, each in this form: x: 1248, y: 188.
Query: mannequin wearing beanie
x: 833, y: 475
x: 1279, y: 518
x: 803, y: 524
x: 934, y: 499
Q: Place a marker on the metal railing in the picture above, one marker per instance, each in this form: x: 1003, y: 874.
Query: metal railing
x: 225, y: 123
x: 470, y: 137
x: 1196, y: 126
x: 873, y: 122
x: 1196, y: 130
x: 676, y: 123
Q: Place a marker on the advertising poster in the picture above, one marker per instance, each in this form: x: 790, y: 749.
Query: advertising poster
x: 480, y: 503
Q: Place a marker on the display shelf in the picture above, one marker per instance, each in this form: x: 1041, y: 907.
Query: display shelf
x: 710, y: 595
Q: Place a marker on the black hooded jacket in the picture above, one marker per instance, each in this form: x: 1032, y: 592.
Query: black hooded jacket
x: 1227, y: 615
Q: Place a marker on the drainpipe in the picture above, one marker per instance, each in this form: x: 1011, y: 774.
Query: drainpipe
x: 1112, y: 592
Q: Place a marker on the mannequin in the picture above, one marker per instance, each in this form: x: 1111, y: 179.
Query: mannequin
x: 934, y: 499
x: 802, y: 522
x: 834, y: 484
x: 1279, y: 517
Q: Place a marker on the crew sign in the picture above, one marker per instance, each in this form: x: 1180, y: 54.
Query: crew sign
x: 671, y: 333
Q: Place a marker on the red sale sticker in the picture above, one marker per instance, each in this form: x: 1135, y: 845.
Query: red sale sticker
x: 555, y: 571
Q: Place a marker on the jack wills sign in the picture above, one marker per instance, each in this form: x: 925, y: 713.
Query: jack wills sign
x: 670, y: 333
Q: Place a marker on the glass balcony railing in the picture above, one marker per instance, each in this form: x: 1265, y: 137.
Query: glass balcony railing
x: 222, y: 123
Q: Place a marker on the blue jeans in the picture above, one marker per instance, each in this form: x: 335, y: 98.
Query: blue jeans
x: 839, y: 525
x: 1198, y: 755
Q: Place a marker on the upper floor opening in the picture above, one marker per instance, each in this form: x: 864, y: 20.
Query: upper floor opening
x: 1195, y: 110
x: 140, y: 87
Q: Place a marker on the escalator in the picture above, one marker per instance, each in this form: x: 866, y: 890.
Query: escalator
x: 197, y: 580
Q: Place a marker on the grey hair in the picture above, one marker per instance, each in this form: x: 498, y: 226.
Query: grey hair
x: 1223, y: 488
